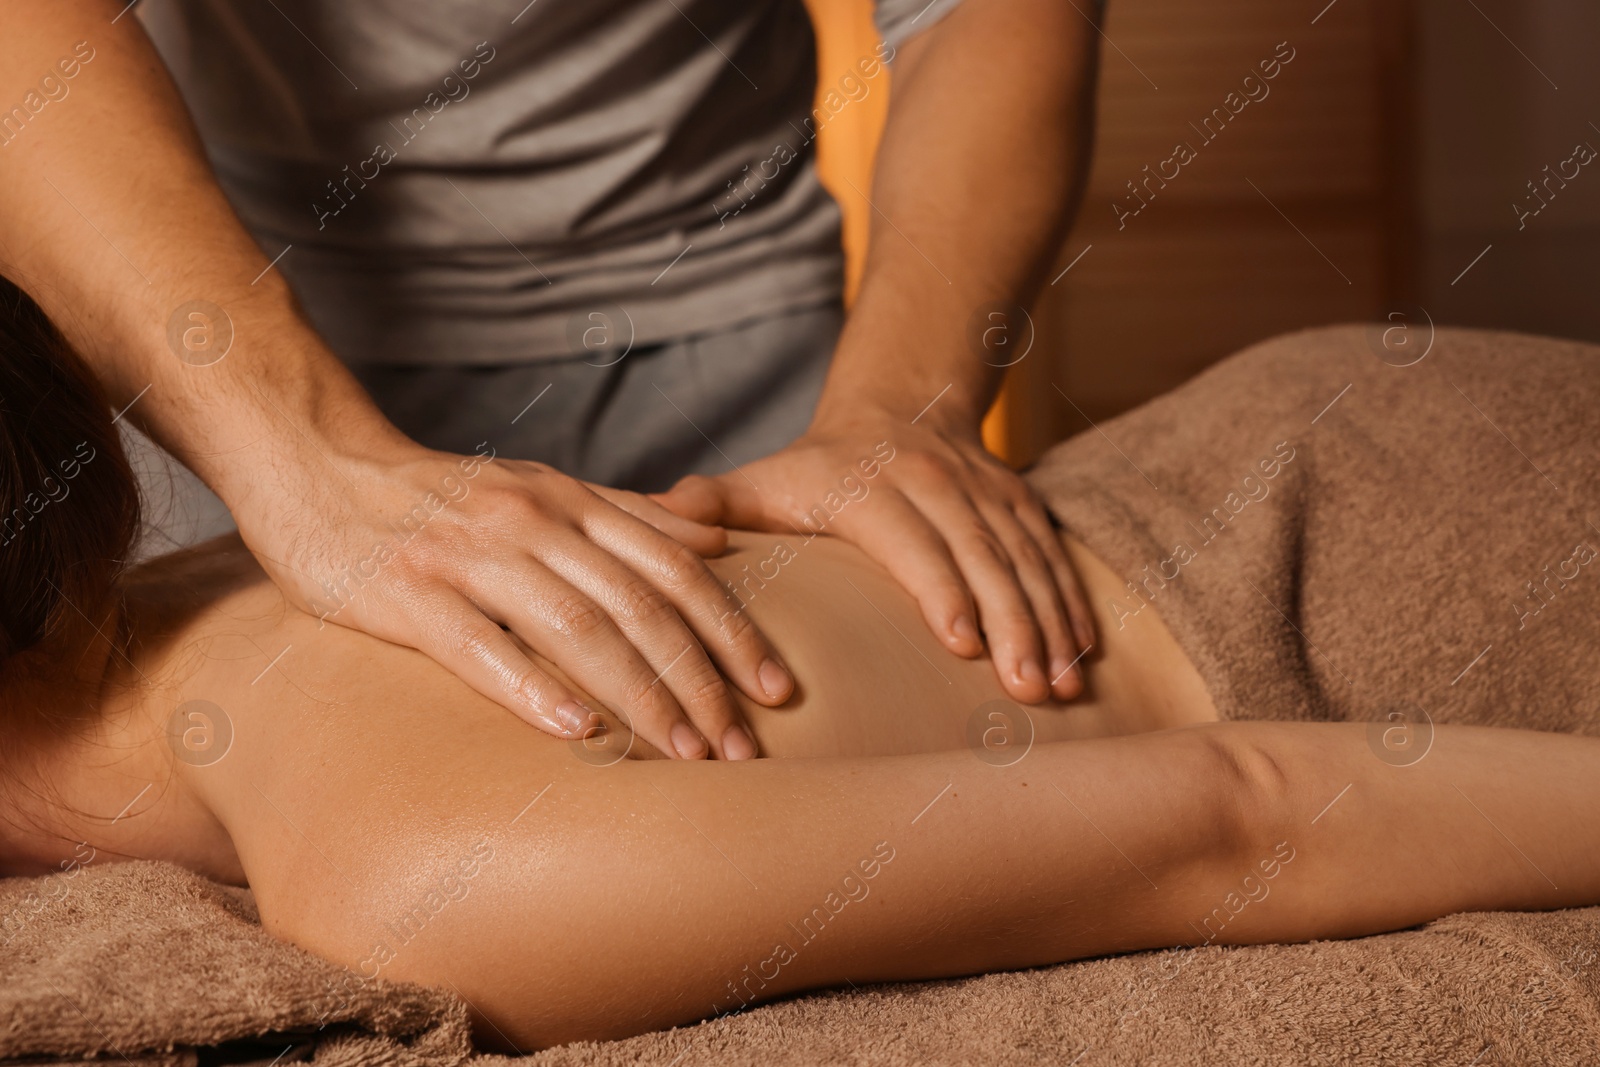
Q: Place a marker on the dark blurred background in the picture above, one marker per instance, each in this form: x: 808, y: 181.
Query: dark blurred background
x: 1385, y: 162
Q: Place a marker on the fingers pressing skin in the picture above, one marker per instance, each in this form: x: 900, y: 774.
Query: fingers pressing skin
x: 585, y: 577
x: 551, y: 615
x: 1038, y: 581
x: 715, y: 617
x: 914, y: 553
x: 729, y: 499
x: 478, y: 652
x: 694, y: 497
x: 961, y: 532
x: 683, y: 681
x: 1033, y: 517
x: 1004, y: 610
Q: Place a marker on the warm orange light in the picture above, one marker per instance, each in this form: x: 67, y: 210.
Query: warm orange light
x: 847, y: 144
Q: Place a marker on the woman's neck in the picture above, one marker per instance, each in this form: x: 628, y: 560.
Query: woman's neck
x: 96, y: 778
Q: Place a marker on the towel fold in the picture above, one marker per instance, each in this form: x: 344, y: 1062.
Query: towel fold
x: 1331, y: 536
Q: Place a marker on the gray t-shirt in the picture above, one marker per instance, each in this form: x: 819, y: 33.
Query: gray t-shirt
x: 471, y: 181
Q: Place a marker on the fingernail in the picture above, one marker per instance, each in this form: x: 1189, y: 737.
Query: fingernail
x: 775, y: 681
x: 573, y: 717
x: 687, y: 743
x: 966, y: 630
x: 1031, y: 673
x: 736, y: 743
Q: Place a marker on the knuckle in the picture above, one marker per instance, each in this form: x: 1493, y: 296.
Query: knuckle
x: 983, y: 541
x: 575, y: 617
x: 947, y: 588
x: 1025, y: 553
x: 508, y: 511
x: 924, y: 466
x: 1056, y: 636
x: 696, y: 482
x: 650, y: 704
x: 642, y: 604
x: 736, y: 625
x: 704, y: 689
x: 471, y: 643
x: 510, y: 500
x: 411, y: 571
x: 678, y: 563
x: 1019, y: 620
x: 1008, y: 610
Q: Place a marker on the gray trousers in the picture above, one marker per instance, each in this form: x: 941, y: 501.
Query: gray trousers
x: 697, y: 405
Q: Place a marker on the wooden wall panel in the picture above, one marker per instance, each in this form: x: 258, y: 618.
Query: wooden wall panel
x: 1296, y: 213
x: 1289, y: 217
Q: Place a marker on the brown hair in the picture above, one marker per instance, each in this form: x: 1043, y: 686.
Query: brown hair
x: 69, y: 503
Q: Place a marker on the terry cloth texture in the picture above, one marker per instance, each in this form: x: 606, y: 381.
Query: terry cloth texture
x: 1393, y: 546
x: 144, y: 963
x: 1429, y: 551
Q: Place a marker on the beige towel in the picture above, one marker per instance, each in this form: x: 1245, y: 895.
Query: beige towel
x: 132, y: 957
x: 1431, y: 546
x: 1388, y: 557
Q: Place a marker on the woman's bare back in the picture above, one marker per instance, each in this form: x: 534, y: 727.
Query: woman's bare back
x: 389, y: 819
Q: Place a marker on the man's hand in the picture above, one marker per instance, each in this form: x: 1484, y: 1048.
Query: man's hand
x: 952, y: 233
x: 112, y: 220
x: 439, y: 552
x: 958, y: 529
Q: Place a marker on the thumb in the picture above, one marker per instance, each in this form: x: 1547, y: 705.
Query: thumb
x: 726, y: 500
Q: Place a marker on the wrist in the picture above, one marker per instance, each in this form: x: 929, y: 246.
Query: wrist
x: 947, y: 407
x: 904, y: 360
x: 274, y: 409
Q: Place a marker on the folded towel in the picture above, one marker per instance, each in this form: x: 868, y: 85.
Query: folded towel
x: 1332, y: 536
x: 1352, y: 553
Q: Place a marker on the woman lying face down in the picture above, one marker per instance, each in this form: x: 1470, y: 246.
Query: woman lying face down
x: 907, y: 822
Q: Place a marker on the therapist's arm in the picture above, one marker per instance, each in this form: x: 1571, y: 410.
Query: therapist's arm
x: 112, y: 220
x: 981, y: 167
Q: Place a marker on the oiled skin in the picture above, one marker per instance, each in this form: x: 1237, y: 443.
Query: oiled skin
x: 205, y: 624
x: 393, y: 821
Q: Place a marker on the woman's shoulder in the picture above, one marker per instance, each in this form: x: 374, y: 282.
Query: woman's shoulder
x: 177, y: 595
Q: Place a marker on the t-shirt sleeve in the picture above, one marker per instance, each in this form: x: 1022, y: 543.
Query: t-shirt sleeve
x: 900, y: 20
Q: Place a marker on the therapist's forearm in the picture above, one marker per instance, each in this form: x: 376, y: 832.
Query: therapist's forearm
x: 111, y: 219
x: 979, y: 173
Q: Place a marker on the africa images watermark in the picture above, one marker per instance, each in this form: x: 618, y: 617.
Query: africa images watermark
x: 451, y: 490
x: 54, y: 491
x: 52, y: 891
x: 1552, y: 583
x: 1253, y: 888
x: 455, y: 90
x: 1583, y: 154
x: 853, y: 86
x: 1255, y: 90
x: 1252, y: 490
x: 851, y: 490
x: 852, y: 887
x: 53, y: 88
x: 405, y: 927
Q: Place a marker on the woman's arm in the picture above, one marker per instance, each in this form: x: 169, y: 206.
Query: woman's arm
x: 568, y: 901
